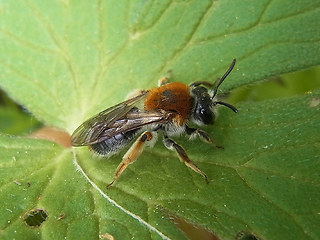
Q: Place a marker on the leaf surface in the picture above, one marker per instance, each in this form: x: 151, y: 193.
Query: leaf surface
x: 67, y: 60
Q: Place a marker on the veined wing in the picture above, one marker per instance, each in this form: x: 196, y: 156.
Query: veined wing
x: 135, y: 119
x: 120, y: 118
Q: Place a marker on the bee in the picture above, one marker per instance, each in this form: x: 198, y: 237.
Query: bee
x: 167, y: 109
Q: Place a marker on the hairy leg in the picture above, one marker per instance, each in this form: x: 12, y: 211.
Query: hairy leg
x: 132, y: 154
x: 172, y: 145
x: 202, y: 135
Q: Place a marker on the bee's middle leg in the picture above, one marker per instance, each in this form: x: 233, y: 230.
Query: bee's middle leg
x: 132, y: 154
x: 202, y: 135
x: 172, y: 145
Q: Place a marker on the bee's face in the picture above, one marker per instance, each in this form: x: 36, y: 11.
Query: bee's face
x: 202, y: 112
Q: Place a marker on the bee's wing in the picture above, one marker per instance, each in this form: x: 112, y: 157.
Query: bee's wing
x: 90, y: 130
x: 117, y: 119
x: 135, y: 120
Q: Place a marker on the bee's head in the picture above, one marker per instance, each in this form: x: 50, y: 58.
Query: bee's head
x: 202, y: 112
x: 204, y: 105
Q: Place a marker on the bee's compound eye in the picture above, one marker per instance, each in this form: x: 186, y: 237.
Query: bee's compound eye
x: 204, y: 115
x: 202, y: 112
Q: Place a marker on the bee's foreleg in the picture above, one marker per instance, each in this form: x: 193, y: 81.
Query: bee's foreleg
x: 172, y: 145
x: 192, y: 132
x: 165, y: 79
x: 132, y: 154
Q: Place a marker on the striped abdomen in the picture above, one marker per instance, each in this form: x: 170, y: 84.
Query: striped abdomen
x: 114, y: 144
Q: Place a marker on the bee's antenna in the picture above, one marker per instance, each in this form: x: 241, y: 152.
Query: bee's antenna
x: 233, y: 108
x: 223, y: 78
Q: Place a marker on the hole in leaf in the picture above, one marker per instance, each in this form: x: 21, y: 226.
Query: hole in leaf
x: 246, y: 236
x: 35, y: 217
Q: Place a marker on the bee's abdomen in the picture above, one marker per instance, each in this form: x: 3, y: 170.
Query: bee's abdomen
x: 114, y: 144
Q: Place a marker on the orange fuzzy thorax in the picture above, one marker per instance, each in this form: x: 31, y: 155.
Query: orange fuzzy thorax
x: 173, y: 97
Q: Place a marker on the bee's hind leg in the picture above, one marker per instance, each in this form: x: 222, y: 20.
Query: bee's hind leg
x: 132, y: 154
x: 172, y: 145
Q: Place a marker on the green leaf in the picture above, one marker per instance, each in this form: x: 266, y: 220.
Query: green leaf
x: 67, y: 60
x: 265, y: 178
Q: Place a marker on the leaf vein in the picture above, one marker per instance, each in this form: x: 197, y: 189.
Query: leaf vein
x: 50, y: 30
x: 113, y: 202
x: 258, y: 192
x: 188, y: 41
